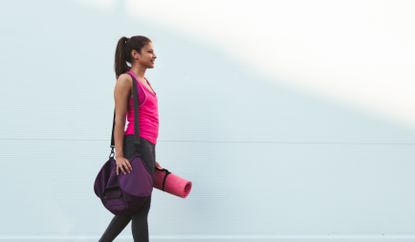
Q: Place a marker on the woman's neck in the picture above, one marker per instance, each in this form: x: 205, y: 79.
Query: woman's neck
x: 139, y: 71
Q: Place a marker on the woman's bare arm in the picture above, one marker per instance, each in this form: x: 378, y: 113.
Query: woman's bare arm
x: 122, y: 93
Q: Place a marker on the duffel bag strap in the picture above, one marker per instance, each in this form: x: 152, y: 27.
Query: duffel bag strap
x: 136, y: 126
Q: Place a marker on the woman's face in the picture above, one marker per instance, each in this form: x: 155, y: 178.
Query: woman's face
x: 147, y: 56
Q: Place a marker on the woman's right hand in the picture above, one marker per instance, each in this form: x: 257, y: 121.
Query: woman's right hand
x: 122, y: 165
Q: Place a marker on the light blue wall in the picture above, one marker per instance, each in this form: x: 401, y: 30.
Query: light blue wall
x: 266, y: 161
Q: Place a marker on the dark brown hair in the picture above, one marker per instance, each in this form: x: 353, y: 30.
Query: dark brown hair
x: 123, y: 52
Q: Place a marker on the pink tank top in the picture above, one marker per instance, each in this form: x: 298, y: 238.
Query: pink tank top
x: 148, y: 115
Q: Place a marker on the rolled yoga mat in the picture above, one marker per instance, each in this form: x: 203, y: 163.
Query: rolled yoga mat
x: 171, y: 183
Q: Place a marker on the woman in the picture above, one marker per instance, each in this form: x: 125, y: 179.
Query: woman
x: 139, y: 53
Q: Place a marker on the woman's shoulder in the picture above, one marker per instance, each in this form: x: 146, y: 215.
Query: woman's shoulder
x: 124, y: 80
x: 124, y: 77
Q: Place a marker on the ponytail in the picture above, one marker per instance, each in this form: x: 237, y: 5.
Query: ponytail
x: 123, y: 52
x: 120, y: 64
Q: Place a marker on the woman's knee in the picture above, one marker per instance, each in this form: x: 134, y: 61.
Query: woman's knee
x: 144, y: 209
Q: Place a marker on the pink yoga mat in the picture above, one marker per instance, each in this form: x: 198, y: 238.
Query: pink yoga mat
x: 171, y: 183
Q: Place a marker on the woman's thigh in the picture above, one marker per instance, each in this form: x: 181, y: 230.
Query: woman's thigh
x: 145, y: 149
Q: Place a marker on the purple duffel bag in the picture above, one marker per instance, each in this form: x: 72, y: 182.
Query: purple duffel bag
x: 124, y: 194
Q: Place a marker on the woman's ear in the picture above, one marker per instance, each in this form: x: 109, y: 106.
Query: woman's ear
x: 135, y: 55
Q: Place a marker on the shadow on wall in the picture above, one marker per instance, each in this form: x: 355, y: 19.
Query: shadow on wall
x: 67, y: 52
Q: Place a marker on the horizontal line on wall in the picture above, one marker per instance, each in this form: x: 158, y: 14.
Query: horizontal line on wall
x: 221, y: 141
x: 210, y: 237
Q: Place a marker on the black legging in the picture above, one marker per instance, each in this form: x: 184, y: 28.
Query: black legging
x: 139, y: 225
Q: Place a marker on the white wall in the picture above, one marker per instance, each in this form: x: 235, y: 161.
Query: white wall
x: 267, y: 161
